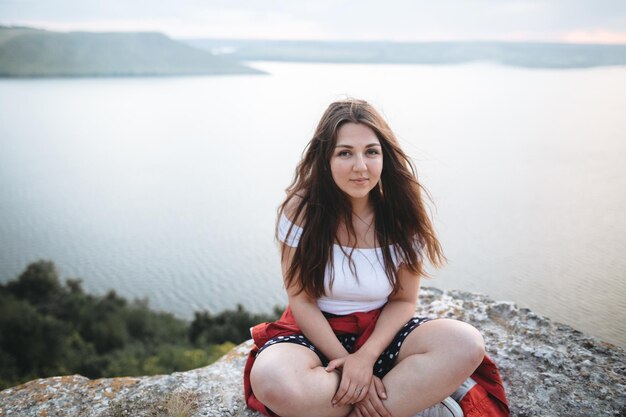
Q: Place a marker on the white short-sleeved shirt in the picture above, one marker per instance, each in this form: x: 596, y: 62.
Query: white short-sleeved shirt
x: 349, y: 295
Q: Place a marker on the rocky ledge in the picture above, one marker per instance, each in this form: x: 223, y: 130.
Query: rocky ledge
x: 549, y: 369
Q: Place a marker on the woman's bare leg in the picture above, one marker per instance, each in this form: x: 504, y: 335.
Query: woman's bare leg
x: 433, y: 362
x: 290, y: 380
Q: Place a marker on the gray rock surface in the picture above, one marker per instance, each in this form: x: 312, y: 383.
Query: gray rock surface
x: 549, y: 369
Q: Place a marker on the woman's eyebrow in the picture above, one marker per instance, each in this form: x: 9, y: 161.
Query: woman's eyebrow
x: 352, y: 147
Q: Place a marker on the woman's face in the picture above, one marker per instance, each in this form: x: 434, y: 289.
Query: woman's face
x: 357, y: 160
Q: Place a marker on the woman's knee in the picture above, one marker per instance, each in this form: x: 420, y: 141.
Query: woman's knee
x: 469, y: 344
x: 451, y: 338
x: 274, y: 388
x: 278, y: 376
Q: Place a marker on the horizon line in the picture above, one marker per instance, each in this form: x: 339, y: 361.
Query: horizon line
x: 330, y: 40
x: 571, y: 38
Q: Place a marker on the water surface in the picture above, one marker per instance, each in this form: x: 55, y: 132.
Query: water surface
x: 168, y: 187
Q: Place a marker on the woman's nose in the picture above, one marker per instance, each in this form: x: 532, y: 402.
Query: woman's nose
x: 359, y: 163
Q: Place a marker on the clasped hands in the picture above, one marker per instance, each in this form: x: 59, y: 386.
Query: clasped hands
x: 358, y: 386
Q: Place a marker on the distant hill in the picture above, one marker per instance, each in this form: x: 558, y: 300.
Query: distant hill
x: 519, y: 54
x: 26, y: 52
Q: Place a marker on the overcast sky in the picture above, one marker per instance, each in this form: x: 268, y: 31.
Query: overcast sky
x: 402, y: 20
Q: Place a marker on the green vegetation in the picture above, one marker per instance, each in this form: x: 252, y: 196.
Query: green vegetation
x: 518, y: 54
x: 26, y: 52
x: 48, y: 328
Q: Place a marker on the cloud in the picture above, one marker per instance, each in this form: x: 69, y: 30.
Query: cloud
x: 402, y: 20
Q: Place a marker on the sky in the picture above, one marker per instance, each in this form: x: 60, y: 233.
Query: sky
x: 576, y: 21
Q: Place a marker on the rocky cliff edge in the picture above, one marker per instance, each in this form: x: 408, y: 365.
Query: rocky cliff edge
x: 549, y: 369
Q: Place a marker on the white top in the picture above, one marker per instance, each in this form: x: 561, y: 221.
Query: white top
x: 349, y: 295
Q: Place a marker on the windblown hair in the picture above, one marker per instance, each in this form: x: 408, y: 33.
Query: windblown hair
x: 317, y: 204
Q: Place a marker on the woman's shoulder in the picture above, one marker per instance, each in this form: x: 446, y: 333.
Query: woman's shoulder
x: 290, y: 212
x: 290, y: 222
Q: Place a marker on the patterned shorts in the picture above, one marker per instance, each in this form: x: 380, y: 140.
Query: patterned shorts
x: 385, y: 360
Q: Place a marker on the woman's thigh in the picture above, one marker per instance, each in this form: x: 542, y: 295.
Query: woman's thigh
x: 290, y: 380
x: 445, y: 336
x: 288, y: 354
x: 284, y: 361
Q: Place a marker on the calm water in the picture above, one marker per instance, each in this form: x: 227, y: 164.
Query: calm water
x: 167, y: 187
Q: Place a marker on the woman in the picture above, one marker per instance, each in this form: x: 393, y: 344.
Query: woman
x: 353, y: 232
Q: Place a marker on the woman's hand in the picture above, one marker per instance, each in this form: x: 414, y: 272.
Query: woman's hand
x: 356, y: 377
x: 372, y: 405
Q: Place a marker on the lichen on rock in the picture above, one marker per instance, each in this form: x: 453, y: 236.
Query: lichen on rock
x: 549, y: 369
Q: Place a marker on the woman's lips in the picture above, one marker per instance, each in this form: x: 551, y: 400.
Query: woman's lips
x: 360, y: 181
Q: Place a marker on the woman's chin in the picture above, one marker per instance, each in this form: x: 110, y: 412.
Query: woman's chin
x: 358, y: 196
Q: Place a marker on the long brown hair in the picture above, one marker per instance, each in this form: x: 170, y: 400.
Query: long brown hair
x: 318, y: 205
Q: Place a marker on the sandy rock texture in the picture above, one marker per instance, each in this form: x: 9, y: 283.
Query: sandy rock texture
x: 549, y: 369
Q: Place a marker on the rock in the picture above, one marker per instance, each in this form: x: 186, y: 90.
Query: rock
x: 549, y: 369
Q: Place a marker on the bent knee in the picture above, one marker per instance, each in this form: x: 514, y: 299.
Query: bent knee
x: 458, y: 341
x: 274, y: 388
x: 471, y: 345
x: 279, y: 396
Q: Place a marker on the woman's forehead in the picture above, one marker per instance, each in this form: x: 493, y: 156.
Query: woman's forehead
x: 356, y: 134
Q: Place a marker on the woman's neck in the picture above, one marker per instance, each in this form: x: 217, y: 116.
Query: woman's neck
x: 361, y: 207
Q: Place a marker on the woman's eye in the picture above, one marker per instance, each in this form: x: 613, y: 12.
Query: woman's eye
x: 343, y: 153
x: 373, y: 152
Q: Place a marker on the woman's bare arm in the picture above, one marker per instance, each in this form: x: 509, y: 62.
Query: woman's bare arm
x: 310, y: 319
x: 305, y: 310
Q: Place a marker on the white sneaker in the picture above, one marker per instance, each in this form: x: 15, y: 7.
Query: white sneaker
x: 447, y: 408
